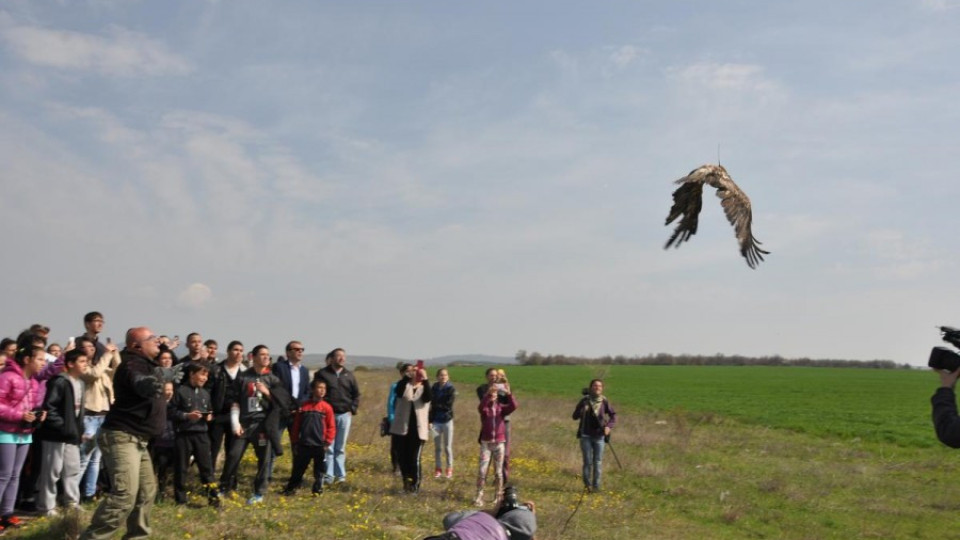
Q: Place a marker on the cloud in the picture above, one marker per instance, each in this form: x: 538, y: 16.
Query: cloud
x: 625, y: 55
x: 725, y: 77
x: 121, y: 52
x: 196, y: 296
x: 899, y: 257
x: 940, y: 5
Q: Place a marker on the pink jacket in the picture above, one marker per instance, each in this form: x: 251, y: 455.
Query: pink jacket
x: 16, y: 395
x: 492, y: 426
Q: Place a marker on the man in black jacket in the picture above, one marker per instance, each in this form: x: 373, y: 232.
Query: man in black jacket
x: 254, y: 420
x: 138, y: 413
x: 946, y: 422
x: 343, y: 394
x: 60, y: 435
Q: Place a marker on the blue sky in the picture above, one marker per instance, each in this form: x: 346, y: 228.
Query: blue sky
x: 426, y: 178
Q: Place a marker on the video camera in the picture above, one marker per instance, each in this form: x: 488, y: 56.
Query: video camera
x: 942, y: 357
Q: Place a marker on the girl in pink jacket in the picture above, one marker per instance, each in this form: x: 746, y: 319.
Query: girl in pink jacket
x: 493, y: 438
x: 20, y: 413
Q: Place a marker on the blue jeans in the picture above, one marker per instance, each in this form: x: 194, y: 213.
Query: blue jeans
x: 336, y: 456
x: 90, y: 456
x: 443, y: 442
x: 592, y: 448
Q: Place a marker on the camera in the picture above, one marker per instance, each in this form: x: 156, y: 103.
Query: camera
x: 510, y: 501
x: 942, y: 357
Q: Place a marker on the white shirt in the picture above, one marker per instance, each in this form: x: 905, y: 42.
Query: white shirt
x: 295, y: 380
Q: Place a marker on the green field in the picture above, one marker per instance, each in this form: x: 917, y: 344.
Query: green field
x: 870, y: 404
x: 704, y: 452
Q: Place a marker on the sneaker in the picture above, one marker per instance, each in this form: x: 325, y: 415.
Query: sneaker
x: 11, y: 522
x: 340, y: 480
x: 256, y: 499
x: 450, y: 472
x: 54, y: 513
x: 437, y: 473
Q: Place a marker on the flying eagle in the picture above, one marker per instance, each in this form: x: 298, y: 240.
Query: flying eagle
x: 687, y: 201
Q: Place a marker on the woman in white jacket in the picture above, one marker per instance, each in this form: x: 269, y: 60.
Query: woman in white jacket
x: 410, y: 428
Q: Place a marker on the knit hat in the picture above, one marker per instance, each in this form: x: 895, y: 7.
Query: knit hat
x: 520, y: 523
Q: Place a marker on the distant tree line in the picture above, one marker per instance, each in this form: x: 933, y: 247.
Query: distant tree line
x: 664, y: 359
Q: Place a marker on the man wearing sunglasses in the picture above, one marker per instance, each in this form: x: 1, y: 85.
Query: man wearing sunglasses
x: 138, y: 413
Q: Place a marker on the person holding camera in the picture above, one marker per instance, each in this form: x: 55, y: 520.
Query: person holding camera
x: 510, y: 521
x: 410, y: 427
x: 946, y: 421
x: 20, y: 414
x: 596, y: 418
x: 191, y: 411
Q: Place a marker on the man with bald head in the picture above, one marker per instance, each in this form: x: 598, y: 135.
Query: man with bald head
x: 138, y: 413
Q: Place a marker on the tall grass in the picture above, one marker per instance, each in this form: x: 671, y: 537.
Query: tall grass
x: 698, y: 461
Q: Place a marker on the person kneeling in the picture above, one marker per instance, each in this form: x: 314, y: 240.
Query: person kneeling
x: 313, y: 431
x: 510, y: 521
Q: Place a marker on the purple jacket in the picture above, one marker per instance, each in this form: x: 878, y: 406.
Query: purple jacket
x: 17, y: 395
x: 492, y: 427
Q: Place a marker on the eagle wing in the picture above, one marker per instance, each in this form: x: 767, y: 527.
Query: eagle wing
x: 687, y: 201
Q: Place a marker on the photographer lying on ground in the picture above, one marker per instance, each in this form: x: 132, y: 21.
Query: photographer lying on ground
x: 510, y: 521
x: 945, y: 418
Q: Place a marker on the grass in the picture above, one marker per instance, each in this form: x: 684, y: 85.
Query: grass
x: 706, y: 452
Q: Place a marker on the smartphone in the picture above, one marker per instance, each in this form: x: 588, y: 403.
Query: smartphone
x: 419, y: 369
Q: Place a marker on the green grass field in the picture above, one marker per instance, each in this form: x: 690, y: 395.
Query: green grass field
x: 870, y: 404
x: 706, y: 452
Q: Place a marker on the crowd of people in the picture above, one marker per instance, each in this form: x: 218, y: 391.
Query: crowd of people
x: 89, y: 421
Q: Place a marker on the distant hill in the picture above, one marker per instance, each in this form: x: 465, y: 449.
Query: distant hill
x: 314, y: 361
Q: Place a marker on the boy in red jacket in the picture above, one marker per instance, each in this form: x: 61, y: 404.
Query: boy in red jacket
x: 314, y: 429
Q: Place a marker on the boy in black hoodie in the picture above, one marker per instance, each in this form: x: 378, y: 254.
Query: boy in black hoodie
x: 190, y: 409
x: 60, y: 434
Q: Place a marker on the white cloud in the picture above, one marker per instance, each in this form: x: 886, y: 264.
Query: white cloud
x: 195, y: 296
x: 726, y: 77
x: 901, y: 257
x: 120, y: 52
x: 940, y: 5
x: 625, y: 55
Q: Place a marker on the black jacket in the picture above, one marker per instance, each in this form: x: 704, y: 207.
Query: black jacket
x: 282, y: 370
x: 441, y: 402
x: 138, y: 408
x: 64, y: 423
x: 187, y: 399
x: 271, y: 414
x: 945, y: 419
x: 223, y: 392
x: 343, y: 392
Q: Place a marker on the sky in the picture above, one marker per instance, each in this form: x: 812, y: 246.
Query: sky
x: 425, y: 178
